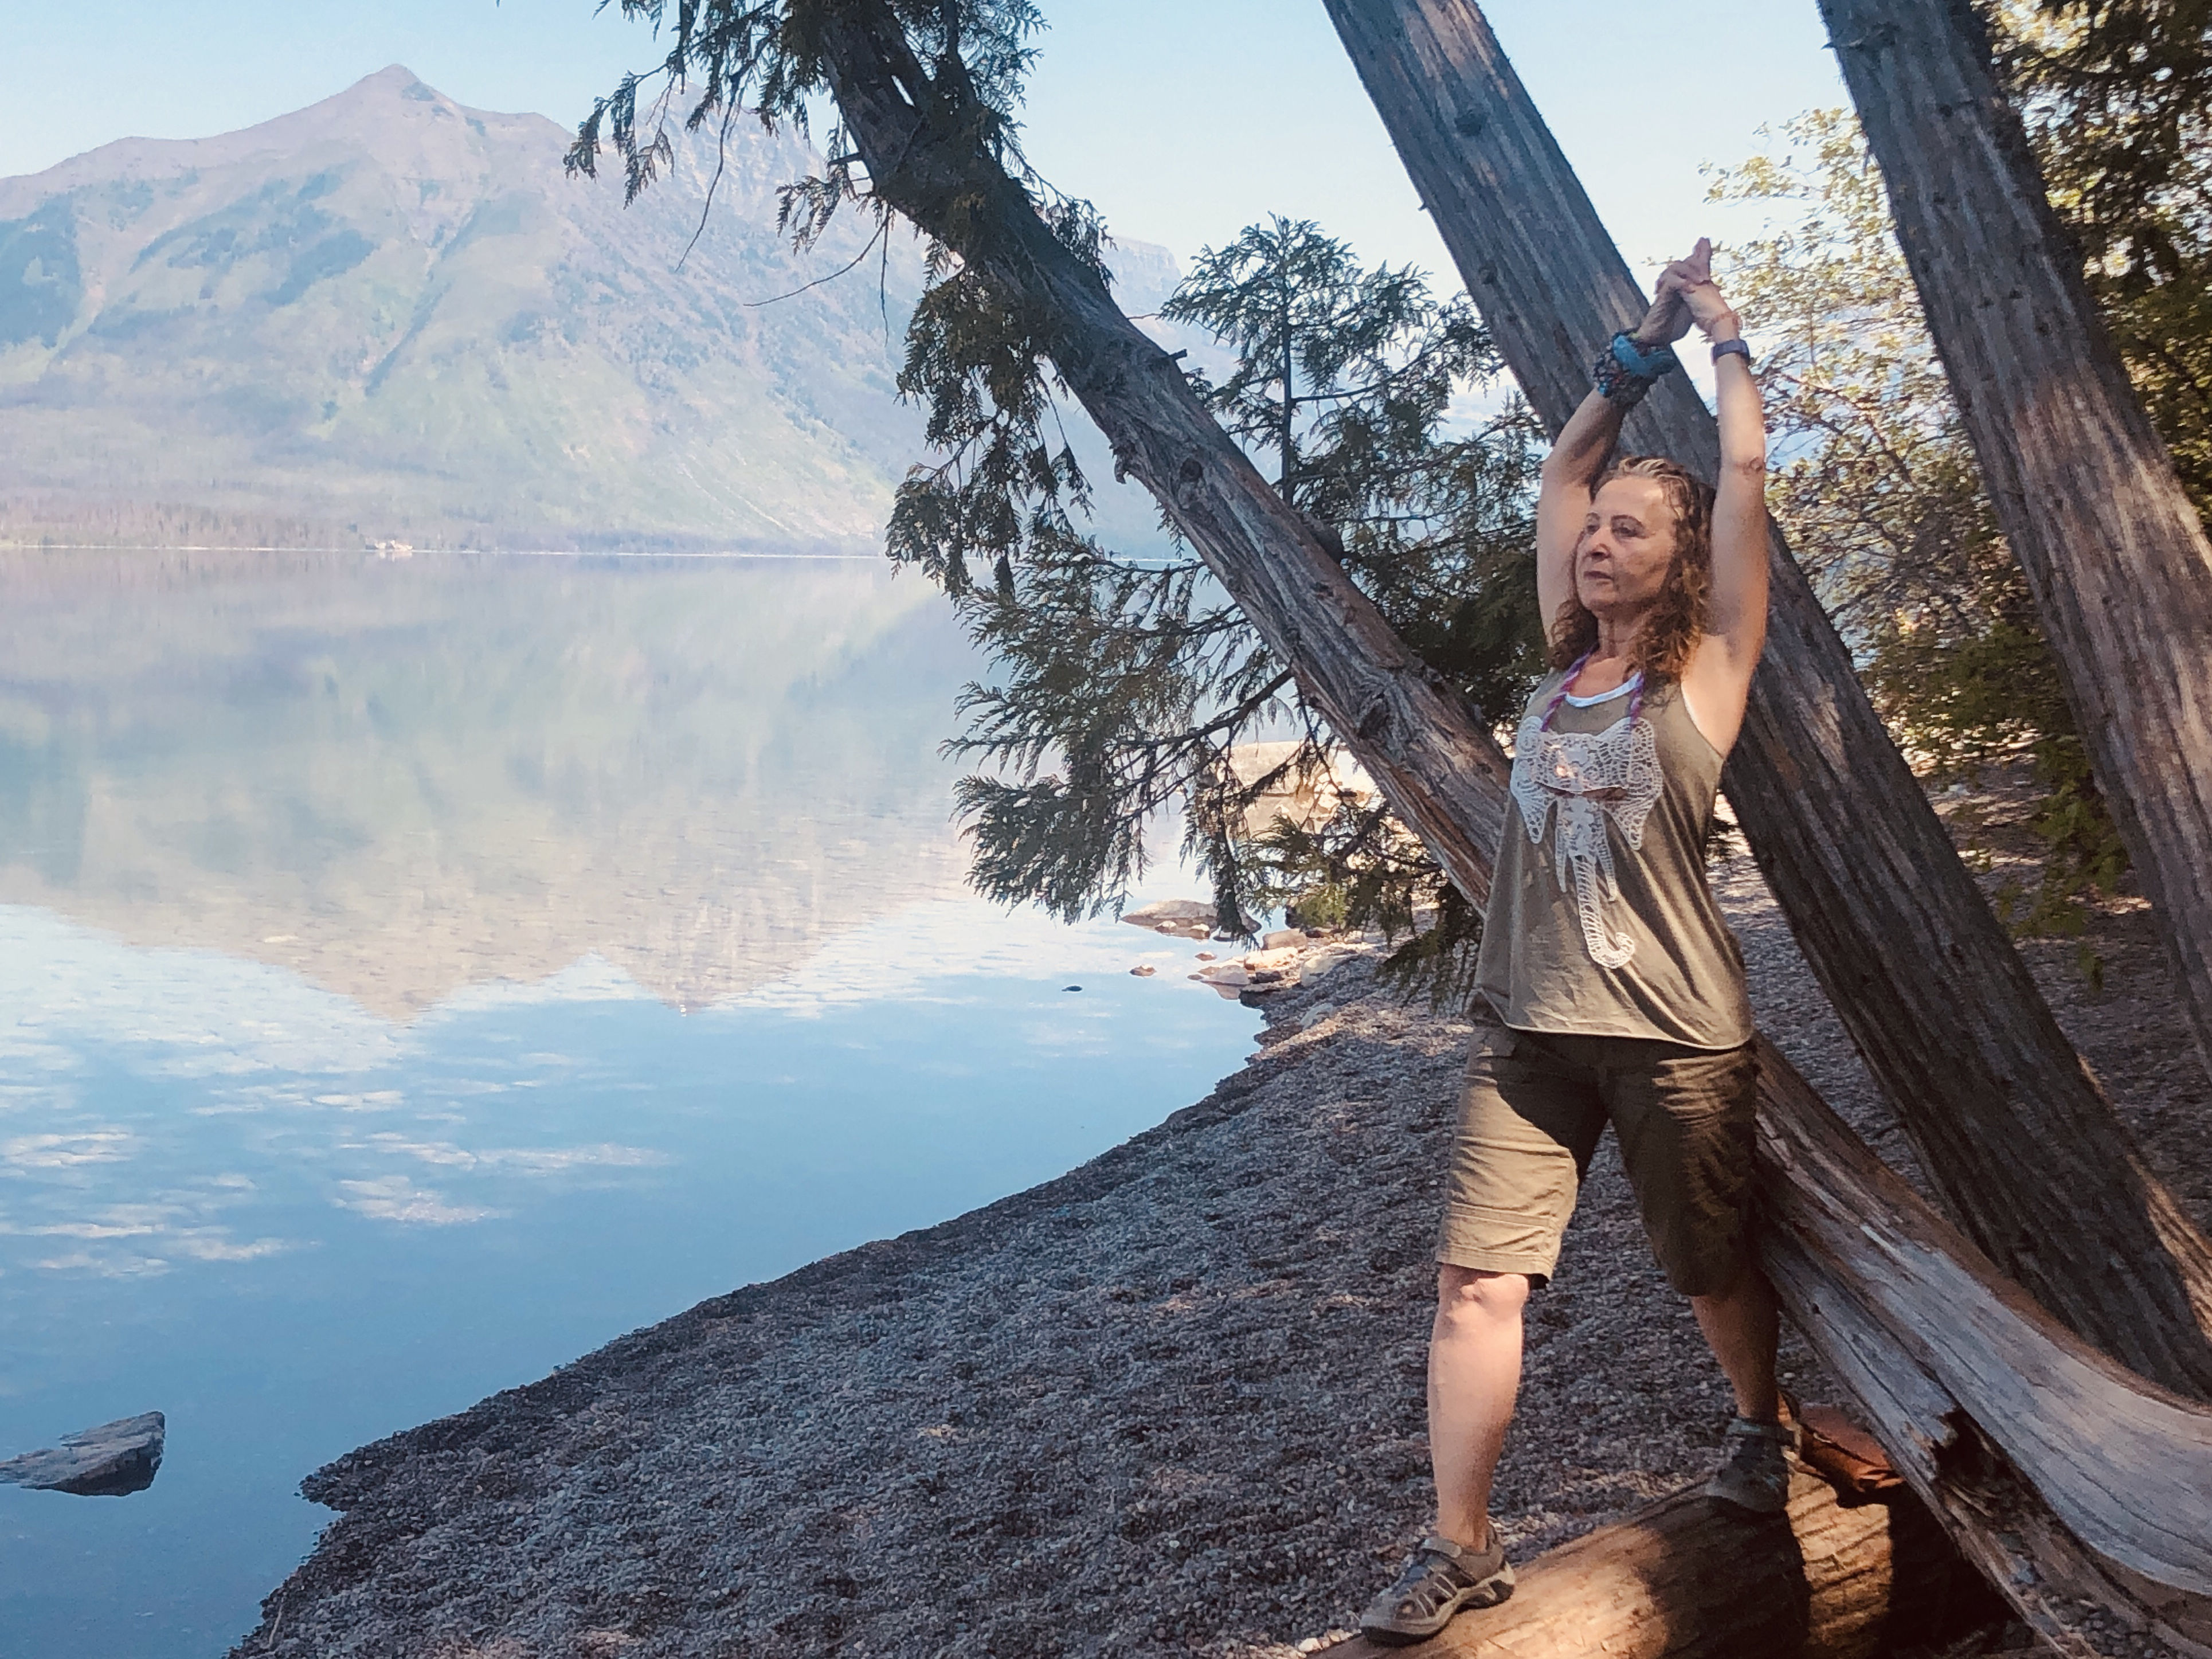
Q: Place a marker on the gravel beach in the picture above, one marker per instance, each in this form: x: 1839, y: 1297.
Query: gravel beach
x: 1168, y: 1403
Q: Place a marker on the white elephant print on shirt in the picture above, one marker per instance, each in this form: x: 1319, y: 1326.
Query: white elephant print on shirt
x: 1588, y: 777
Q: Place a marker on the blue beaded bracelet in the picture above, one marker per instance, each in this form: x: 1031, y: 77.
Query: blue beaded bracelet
x: 1624, y: 372
x: 1644, y: 365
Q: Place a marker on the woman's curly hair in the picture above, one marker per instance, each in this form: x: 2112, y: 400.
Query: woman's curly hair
x: 1677, y: 623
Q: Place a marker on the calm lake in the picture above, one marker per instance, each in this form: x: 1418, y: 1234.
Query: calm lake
x: 414, y: 974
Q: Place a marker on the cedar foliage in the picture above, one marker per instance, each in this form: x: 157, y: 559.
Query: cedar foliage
x: 1121, y: 688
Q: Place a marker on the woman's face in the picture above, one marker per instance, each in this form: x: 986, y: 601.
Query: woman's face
x: 1626, y: 548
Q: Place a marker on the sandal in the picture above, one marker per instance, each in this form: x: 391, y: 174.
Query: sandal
x: 1754, y: 1472
x: 1442, y: 1579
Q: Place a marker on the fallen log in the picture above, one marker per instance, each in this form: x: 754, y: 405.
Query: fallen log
x: 2066, y: 1478
x: 1687, y: 1578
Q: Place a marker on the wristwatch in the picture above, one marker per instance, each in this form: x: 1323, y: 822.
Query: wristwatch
x: 1733, y: 348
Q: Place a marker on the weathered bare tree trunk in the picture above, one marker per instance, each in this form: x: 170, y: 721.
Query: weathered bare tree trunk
x: 2084, y: 490
x: 2061, y: 1476
x: 2010, y: 1125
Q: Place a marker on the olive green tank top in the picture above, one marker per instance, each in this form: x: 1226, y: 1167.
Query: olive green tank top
x: 1601, y: 921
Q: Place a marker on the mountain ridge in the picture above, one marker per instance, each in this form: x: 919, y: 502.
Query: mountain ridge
x: 388, y: 315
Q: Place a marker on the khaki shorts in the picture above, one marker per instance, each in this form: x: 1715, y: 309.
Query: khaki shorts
x: 1530, y: 1116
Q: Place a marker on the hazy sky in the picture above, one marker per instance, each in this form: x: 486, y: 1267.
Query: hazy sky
x: 1183, y: 119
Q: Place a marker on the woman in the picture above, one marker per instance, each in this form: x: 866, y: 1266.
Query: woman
x: 1612, y: 989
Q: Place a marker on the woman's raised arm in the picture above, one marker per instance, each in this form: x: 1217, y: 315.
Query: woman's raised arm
x: 1718, y: 681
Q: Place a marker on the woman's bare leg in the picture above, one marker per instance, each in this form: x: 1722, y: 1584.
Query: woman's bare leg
x: 1742, y: 1326
x: 1474, y: 1373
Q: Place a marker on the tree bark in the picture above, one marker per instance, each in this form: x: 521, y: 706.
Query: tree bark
x: 2084, y: 490
x: 2010, y: 1125
x: 2061, y: 1476
x: 1831, y: 1583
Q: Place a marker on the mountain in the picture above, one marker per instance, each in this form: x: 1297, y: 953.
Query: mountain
x: 390, y: 316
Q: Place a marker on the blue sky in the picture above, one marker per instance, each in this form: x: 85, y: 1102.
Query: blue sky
x: 1183, y: 119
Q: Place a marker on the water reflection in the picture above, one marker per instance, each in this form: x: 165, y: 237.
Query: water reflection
x: 413, y: 975
x: 399, y: 778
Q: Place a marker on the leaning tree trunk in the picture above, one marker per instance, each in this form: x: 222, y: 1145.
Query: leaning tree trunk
x: 1424, y: 745
x: 2008, y: 1123
x: 2084, y: 491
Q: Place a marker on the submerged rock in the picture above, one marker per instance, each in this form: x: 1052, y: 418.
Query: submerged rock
x: 1179, y: 918
x: 111, y: 1461
x: 1162, y: 911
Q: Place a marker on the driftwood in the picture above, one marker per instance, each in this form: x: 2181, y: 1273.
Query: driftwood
x: 2010, y: 1125
x: 1824, y: 1582
x: 2084, y: 490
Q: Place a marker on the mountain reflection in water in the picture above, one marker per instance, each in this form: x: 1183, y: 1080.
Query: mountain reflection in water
x: 415, y: 974
x: 399, y: 778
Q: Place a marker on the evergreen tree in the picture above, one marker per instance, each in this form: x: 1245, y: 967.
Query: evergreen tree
x: 1122, y: 687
